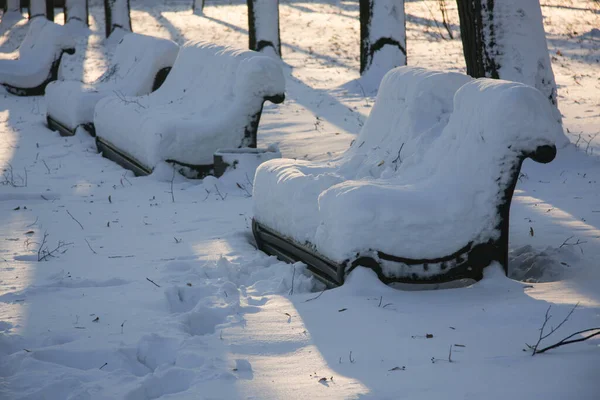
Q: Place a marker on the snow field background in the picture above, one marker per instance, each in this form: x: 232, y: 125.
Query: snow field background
x: 89, y: 323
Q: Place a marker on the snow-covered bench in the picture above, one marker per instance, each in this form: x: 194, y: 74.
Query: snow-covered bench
x: 139, y: 66
x: 423, y: 194
x: 39, y: 59
x: 212, y: 99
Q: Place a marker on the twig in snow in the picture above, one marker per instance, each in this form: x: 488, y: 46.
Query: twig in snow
x: 104, y: 365
x: 350, y: 358
x: 43, y: 252
x: 172, y: 179
x: 33, y: 223
x: 577, y: 243
x: 291, y: 292
x: 552, y: 329
x: 219, y: 193
x: 565, y: 341
x: 442, y: 4
x: 314, y: 298
x: 74, y: 219
x: 46, y: 165
x: 122, y: 325
x: 90, y: 246
x: 151, y: 281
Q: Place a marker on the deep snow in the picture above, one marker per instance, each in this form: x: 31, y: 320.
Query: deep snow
x: 89, y: 323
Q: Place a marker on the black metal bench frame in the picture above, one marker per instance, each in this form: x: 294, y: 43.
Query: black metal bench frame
x: 55, y: 125
x: 39, y: 90
x: 466, y: 263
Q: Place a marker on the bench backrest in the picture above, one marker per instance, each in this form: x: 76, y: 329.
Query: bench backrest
x: 206, y: 78
x: 44, y: 42
x: 413, y: 106
x: 137, y: 60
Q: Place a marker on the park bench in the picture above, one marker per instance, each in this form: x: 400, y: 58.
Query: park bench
x: 423, y: 194
x: 39, y: 59
x: 212, y: 99
x: 139, y: 66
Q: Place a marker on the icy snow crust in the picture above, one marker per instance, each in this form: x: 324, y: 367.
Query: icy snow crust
x: 43, y: 45
x: 208, y: 99
x: 137, y: 60
x: 407, y: 158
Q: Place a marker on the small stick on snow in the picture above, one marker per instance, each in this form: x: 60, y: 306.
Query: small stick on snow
x: 90, y: 246
x: 155, y: 284
x: 552, y: 330
x: 314, y: 298
x: 74, y: 219
x: 565, y: 341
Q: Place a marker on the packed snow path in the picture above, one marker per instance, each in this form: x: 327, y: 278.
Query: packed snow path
x: 162, y: 295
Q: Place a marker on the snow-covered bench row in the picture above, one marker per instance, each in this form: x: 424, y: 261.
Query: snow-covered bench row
x: 39, y: 59
x: 424, y: 192
x: 139, y: 66
x: 212, y: 99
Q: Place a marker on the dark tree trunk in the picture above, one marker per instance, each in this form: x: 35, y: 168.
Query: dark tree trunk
x: 505, y: 39
x: 43, y: 8
x: 475, y: 16
x: 77, y: 10
x: 117, y: 15
x: 382, y: 34
x: 263, y: 25
x: 198, y: 6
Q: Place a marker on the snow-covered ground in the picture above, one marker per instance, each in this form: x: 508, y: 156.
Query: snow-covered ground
x: 155, y: 289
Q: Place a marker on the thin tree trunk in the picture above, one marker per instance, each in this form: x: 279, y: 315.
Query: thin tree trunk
x: 263, y: 25
x: 12, y: 6
x: 117, y: 15
x: 43, y: 8
x: 382, y: 35
x: 505, y: 39
x: 77, y: 10
x: 198, y: 6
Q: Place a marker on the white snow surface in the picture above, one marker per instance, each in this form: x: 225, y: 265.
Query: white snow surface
x: 137, y: 60
x: 43, y: 44
x: 224, y: 324
x: 204, y: 105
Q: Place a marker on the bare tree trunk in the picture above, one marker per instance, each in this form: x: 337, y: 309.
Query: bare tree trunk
x: 77, y: 10
x: 117, y: 15
x: 198, y: 6
x: 43, y: 8
x: 382, y: 35
x: 12, y: 6
x: 505, y: 39
x: 263, y: 25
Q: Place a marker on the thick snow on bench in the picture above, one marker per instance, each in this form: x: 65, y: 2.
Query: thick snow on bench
x: 43, y: 45
x: 207, y: 101
x: 420, y: 181
x: 137, y: 60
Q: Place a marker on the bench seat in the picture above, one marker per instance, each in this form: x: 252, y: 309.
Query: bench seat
x: 139, y: 66
x: 39, y: 59
x: 423, y: 194
x: 212, y: 99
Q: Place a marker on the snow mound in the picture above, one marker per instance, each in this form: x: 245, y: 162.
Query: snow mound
x: 42, y: 47
x: 436, y: 154
x: 210, y: 100
x: 530, y: 265
x: 133, y: 71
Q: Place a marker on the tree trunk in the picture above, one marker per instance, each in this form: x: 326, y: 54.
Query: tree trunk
x: 43, y: 8
x: 77, y: 10
x: 117, y: 15
x: 505, y: 39
x: 382, y: 36
x: 12, y: 6
x: 198, y: 6
x: 263, y: 26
